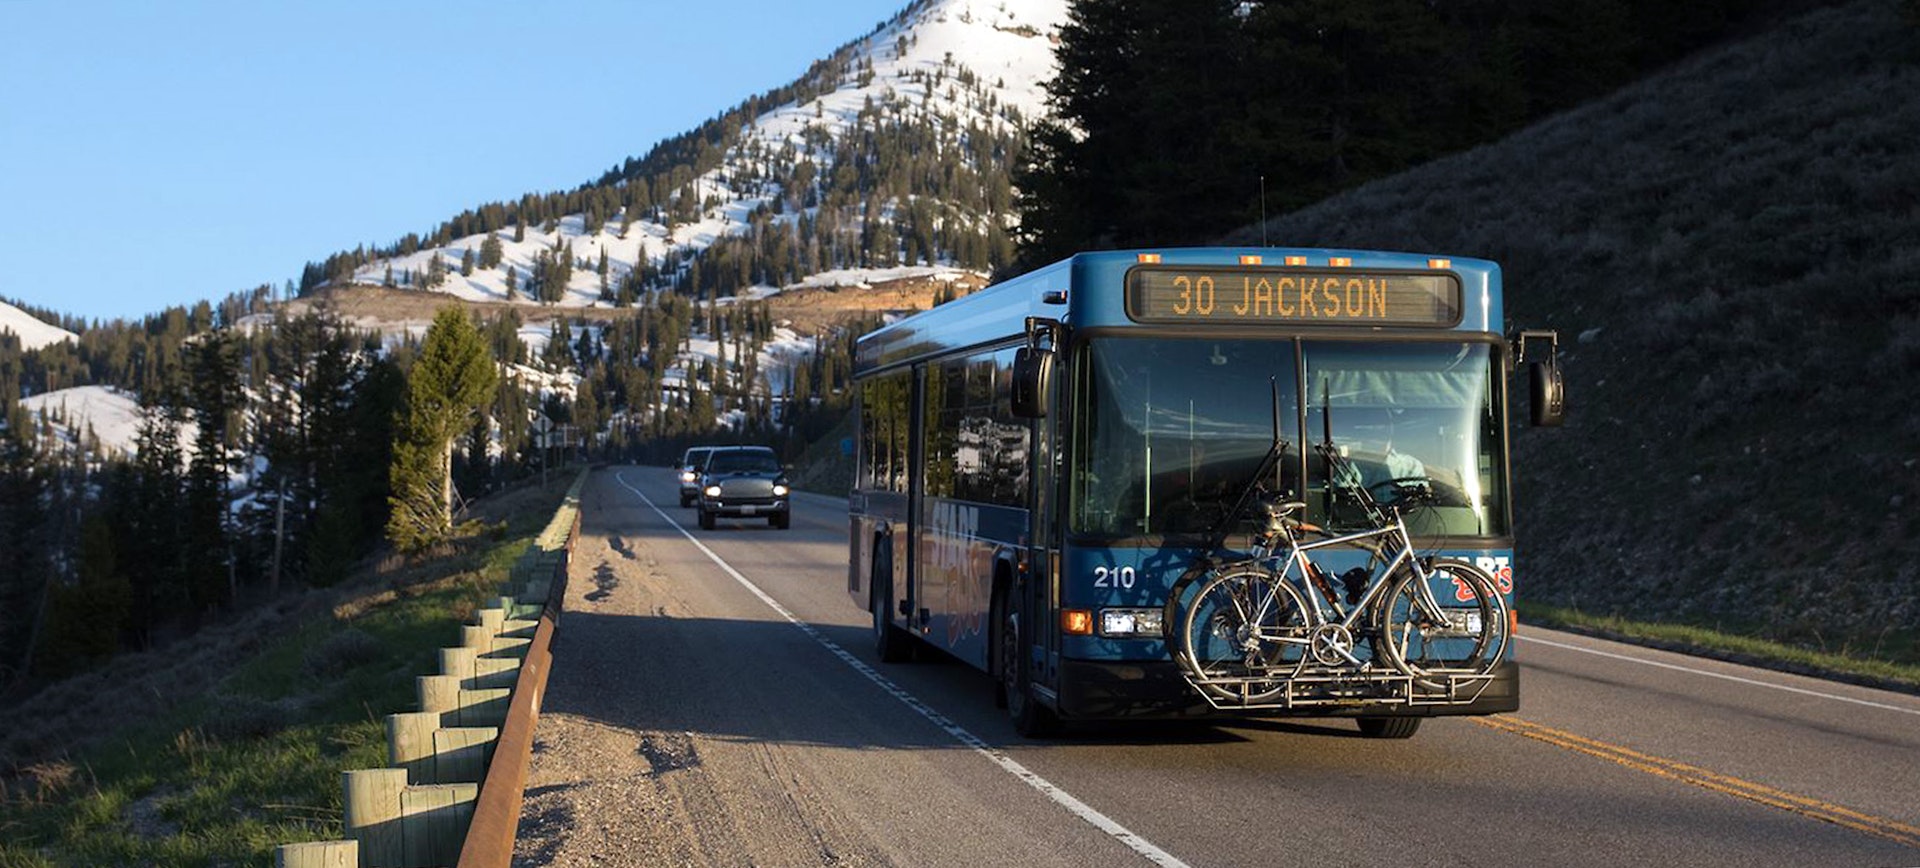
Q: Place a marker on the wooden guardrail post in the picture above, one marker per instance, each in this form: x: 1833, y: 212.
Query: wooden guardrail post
x: 485, y: 707
x: 461, y: 753
x: 491, y: 618
x: 373, y: 814
x: 318, y: 854
x: 476, y: 636
x: 437, y: 817
x: 460, y: 663
x: 410, y: 744
x: 440, y: 694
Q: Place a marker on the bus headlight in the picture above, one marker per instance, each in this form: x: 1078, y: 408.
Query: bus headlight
x: 1131, y: 623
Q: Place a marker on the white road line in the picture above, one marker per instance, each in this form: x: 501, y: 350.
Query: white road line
x: 1080, y: 809
x: 1736, y: 678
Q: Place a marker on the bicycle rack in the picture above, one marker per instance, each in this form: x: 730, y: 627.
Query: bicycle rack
x: 1334, y: 688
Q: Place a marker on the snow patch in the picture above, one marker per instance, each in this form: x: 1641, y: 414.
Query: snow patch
x: 33, y: 333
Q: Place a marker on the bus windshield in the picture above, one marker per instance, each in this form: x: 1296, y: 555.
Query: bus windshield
x: 1167, y: 431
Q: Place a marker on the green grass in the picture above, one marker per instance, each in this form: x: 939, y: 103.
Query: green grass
x: 222, y: 779
x: 1893, y: 663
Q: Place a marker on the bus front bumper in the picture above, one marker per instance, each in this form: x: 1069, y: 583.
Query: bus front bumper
x: 1098, y: 689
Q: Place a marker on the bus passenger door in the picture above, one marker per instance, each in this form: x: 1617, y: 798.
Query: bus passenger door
x: 916, y: 512
x: 1041, y: 592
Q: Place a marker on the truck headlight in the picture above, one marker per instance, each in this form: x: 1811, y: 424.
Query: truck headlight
x: 779, y: 490
x: 1131, y: 623
x: 686, y: 476
x: 713, y: 491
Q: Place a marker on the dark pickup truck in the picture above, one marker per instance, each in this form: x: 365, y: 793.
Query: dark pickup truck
x: 744, y: 482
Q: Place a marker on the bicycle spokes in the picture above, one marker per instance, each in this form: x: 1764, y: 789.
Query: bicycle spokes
x: 1245, y: 635
x: 1432, y: 635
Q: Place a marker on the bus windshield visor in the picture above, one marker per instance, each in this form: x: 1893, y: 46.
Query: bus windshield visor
x: 1167, y: 432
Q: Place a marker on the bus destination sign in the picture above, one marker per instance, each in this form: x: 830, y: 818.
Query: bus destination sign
x: 1241, y: 296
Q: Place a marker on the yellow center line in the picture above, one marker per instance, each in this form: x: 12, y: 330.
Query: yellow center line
x: 1808, y: 807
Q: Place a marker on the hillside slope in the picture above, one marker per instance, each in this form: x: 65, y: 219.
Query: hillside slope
x: 1731, y: 253
x: 33, y: 333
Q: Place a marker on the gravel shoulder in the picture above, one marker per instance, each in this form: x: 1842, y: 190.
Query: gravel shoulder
x: 617, y: 776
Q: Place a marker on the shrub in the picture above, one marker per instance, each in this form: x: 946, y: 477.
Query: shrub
x: 342, y: 651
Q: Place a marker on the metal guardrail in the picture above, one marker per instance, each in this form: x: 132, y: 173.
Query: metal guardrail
x: 458, y: 766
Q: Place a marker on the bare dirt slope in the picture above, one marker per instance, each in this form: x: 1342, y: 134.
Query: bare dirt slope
x: 809, y: 310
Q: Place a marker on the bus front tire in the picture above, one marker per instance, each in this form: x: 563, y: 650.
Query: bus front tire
x: 1388, y: 727
x: 1030, y: 718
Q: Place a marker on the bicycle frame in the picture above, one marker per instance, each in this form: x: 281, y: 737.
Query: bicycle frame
x: 1297, y: 562
x: 1423, y: 597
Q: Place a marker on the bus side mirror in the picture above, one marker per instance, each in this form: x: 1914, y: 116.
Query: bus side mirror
x: 1032, y: 382
x: 1549, y: 393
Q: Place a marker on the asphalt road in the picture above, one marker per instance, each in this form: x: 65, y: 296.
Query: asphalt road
x: 715, y: 701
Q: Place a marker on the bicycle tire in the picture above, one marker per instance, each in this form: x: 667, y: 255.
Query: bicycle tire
x: 1245, y: 635
x: 1471, y: 643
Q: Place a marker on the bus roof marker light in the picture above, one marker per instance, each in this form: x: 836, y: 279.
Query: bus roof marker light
x: 1340, y: 261
x: 1148, y: 258
x: 1296, y: 260
x: 1076, y: 622
x: 1439, y: 264
x: 1249, y: 259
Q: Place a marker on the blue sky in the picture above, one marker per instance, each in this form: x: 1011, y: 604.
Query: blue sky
x: 156, y: 154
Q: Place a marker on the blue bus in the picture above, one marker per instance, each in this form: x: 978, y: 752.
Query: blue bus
x: 1039, y: 462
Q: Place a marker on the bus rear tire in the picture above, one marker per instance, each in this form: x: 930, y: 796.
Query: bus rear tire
x: 1388, y: 727
x: 890, y: 643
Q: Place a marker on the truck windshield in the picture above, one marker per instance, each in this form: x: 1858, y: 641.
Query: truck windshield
x: 1167, y: 431
x: 743, y: 461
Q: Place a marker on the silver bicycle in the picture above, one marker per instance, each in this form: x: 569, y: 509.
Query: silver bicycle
x: 1273, y: 629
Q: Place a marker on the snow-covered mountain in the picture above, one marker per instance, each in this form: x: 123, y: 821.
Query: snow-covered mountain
x: 33, y: 333
x: 963, y: 68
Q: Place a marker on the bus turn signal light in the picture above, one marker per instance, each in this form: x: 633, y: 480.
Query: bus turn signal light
x: 1076, y: 622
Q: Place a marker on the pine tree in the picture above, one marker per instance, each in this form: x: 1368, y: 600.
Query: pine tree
x: 22, y: 514
x: 452, y: 379
x: 154, y: 527
x: 490, y: 252
x: 84, y: 619
x: 215, y: 398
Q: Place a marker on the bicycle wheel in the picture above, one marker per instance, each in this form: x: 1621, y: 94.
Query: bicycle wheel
x: 1245, y: 635
x: 1468, y: 640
